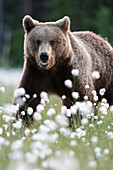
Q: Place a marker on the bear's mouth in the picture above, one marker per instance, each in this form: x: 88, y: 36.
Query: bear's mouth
x: 44, y: 64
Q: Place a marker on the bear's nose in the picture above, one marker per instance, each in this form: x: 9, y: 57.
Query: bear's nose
x: 44, y: 57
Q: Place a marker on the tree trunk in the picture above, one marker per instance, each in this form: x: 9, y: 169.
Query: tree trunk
x: 1, y: 26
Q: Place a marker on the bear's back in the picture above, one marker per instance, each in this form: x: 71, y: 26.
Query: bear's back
x: 93, y: 41
x: 98, y: 47
x: 100, y: 53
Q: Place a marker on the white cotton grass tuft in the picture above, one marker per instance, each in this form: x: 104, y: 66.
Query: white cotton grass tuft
x: 104, y: 101
x: 34, y: 95
x: 111, y: 109
x: 51, y: 112
x: 24, y: 99
x: 3, y: 141
x: 27, y: 132
x: 75, y: 72
x: 2, y: 89
x: 30, y: 157
x: 85, y: 108
x: 11, y: 109
x: 1, y: 109
x: 1, y: 131
x: 63, y: 161
x: 17, y: 124
x: 91, y: 125
x: 6, y: 118
x: 98, y: 153
x: 50, y: 124
x: 84, y: 121
x: 29, y: 110
x: 61, y: 119
x: 68, y: 112
x: 97, y: 150
x: 63, y: 97
x: 17, y: 144
x: 27, y: 96
x: 80, y: 133
x: 63, y: 110
x: 19, y: 101
x: 94, y: 92
x: 92, y: 164
x: 44, y: 95
x: 88, y: 116
x: 8, y: 134
x: 65, y: 131
x: 37, y: 116
x: 43, y: 129
x: 106, y: 151
x: 94, y: 140
x: 68, y: 83
x: 103, y: 110
x: 20, y: 164
x: 23, y: 113
x: 74, y: 109
x: 85, y: 97
x: 16, y: 155
x: 102, y: 91
x: 99, y: 122
x: 39, y: 108
x: 75, y: 95
x: 95, y: 98
x: 95, y: 75
x: 95, y: 117
x: 19, y: 92
x: 110, y: 135
x: 86, y: 86
x: 73, y: 143
x: 45, y: 137
x: 42, y: 101
x: 57, y: 153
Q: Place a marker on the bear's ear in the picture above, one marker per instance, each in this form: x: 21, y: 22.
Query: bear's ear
x: 64, y: 24
x: 29, y: 23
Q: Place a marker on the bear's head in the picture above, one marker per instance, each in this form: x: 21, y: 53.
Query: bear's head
x: 47, y: 43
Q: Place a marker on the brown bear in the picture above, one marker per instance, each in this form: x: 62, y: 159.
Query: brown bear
x: 51, y: 52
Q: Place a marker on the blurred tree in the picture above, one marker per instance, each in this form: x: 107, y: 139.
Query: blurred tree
x: 40, y: 10
x: 26, y: 6
x: 10, y: 15
x: 1, y: 25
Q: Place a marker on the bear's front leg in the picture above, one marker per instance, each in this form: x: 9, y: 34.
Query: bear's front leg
x: 30, y: 83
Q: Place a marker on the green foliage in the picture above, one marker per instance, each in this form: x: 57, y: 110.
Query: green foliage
x: 16, y: 54
x: 12, y: 18
x: 104, y: 23
x: 96, y: 16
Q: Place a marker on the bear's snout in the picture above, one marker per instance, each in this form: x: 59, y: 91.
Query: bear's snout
x: 44, y: 56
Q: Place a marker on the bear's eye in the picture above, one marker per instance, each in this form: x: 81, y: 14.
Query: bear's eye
x: 52, y: 42
x: 38, y: 42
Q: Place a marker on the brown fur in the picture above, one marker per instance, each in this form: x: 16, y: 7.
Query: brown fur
x: 85, y: 51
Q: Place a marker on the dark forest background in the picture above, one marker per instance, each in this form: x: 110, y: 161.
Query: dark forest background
x: 93, y: 15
